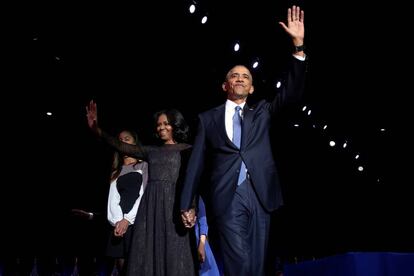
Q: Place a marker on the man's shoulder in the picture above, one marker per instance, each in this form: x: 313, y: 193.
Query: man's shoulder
x: 212, y: 111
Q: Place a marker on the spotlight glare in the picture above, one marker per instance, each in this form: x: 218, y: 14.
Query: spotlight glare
x: 325, y: 126
x: 360, y: 168
x: 382, y: 129
x: 255, y: 64
x: 357, y: 156
x: 278, y: 84
x: 309, y: 112
x: 296, y: 125
x: 304, y: 108
x: 344, y: 145
x: 192, y: 8
x: 236, y: 47
x: 49, y: 113
x: 204, y: 20
x: 332, y: 143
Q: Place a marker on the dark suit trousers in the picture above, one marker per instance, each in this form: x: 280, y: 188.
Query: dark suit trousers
x: 243, y: 234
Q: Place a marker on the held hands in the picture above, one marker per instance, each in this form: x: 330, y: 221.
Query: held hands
x: 295, y: 25
x: 189, y: 218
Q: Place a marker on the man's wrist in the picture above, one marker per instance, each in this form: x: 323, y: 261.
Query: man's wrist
x: 299, y: 48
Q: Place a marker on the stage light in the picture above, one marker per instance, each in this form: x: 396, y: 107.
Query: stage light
x: 332, y: 143
x: 204, y: 20
x: 49, y: 113
x: 236, y: 47
x: 255, y: 64
x: 192, y: 8
x: 278, y: 84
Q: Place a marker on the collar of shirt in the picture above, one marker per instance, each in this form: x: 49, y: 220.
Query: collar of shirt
x: 230, y: 106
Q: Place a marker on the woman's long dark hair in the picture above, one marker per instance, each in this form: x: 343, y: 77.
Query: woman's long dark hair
x: 181, y: 131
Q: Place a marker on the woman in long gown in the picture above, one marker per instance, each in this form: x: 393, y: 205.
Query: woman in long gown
x: 161, y: 245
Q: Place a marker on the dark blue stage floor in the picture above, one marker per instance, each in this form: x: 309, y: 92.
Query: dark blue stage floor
x: 356, y: 264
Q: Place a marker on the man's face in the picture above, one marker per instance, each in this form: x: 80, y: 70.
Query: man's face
x: 239, y: 83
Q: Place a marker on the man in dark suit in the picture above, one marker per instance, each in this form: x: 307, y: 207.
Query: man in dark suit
x: 233, y: 158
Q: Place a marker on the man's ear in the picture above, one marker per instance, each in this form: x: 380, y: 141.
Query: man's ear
x: 251, y: 90
x: 224, y: 86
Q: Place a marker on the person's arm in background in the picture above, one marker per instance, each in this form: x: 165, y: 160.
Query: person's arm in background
x: 203, y: 230
x: 114, y: 209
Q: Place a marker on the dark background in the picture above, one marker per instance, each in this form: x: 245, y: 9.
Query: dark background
x: 136, y: 58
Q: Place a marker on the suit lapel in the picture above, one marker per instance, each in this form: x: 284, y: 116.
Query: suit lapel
x: 247, y: 123
x: 218, y: 117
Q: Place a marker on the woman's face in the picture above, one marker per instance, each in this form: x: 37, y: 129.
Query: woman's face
x: 165, y: 130
x: 126, y: 137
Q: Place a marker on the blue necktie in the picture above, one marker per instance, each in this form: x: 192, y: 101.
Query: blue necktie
x: 237, y: 131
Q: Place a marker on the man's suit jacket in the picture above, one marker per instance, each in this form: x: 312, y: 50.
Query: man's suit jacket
x: 215, y: 161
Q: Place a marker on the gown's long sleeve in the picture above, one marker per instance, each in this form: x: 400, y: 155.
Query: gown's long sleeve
x: 128, y: 149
